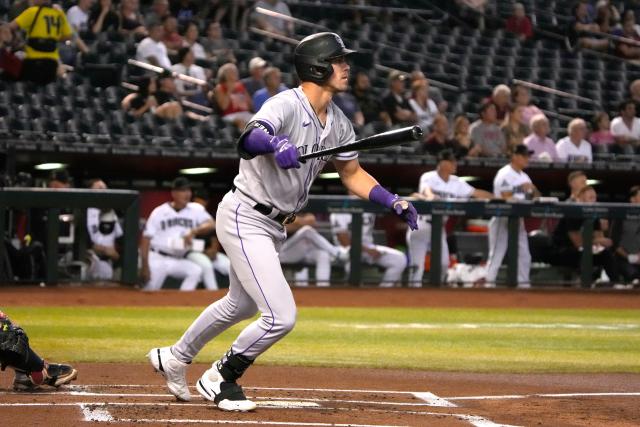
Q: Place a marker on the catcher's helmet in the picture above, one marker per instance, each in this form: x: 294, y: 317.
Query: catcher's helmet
x: 312, y: 56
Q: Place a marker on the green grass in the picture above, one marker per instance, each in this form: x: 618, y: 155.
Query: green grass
x: 507, y: 340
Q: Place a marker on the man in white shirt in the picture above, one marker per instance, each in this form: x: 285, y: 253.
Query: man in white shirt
x: 392, y: 260
x: 511, y: 183
x: 574, y: 148
x: 78, y: 15
x: 186, y: 65
x: 168, y: 238
x: 152, y: 49
x: 104, y: 229
x: 626, y: 128
x: 439, y: 184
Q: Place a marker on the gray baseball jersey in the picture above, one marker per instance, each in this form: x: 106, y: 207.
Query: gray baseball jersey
x: 289, y: 113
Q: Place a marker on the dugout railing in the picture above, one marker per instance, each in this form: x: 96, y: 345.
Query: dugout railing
x: 478, y: 209
x: 76, y: 200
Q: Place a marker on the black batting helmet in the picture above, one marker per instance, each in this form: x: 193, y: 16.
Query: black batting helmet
x: 313, y: 56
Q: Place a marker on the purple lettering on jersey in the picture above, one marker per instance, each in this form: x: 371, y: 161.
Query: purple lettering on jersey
x: 304, y: 125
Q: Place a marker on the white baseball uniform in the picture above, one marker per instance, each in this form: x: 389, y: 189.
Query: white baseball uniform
x: 102, y: 234
x: 309, y: 246
x: 251, y: 239
x: 419, y: 241
x: 508, y: 180
x: 166, y: 228
x: 392, y: 260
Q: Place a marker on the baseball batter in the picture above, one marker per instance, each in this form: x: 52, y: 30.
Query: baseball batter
x: 511, y: 183
x: 392, y: 260
x: 167, y: 238
x: 444, y: 185
x: 271, y: 186
x: 306, y: 245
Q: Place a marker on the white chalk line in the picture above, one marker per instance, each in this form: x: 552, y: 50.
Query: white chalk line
x: 578, y: 326
x: 97, y: 413
x: 433, y: 400
x: 543, y: 395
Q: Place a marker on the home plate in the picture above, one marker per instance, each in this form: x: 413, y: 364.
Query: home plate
x: 289, y: 404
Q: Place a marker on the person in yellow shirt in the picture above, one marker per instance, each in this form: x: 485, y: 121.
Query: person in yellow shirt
x: 45, y: 26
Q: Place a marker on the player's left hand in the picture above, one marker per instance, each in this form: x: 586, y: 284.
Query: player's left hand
x: 407, y: 212
x: 285, y: 152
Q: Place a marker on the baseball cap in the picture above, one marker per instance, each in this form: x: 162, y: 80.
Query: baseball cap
x: 447, y: 155
x: 523, y: 150
x: 257, y: 62
x: 108, y: 216
x: 397, y: 75
x: 180, y: 183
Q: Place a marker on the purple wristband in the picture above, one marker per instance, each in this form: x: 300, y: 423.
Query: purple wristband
x: 257, y: 142
x: 382, y: 197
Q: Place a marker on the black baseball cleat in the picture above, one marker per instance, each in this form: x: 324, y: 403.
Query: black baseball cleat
x: 54, y: 375
x: 227, y: 395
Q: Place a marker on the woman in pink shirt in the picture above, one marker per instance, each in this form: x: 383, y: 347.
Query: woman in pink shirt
x: 520, y: 96
x: 601, y: 135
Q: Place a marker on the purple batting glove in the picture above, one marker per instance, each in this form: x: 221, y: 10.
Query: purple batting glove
x: 407, y: 212
x: 285, y: 152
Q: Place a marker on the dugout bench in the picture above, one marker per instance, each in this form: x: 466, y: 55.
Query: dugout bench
x: 126, y: 201
x: 514, y: 210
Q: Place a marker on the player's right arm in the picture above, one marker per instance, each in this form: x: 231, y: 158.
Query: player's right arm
x: 263, y: 135
x: 481, y: 194
x: 145, y: 244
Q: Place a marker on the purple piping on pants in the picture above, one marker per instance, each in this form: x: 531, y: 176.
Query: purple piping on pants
x: 273, y: 320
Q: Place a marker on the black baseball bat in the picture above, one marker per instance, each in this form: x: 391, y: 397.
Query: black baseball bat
x: 385, y: 139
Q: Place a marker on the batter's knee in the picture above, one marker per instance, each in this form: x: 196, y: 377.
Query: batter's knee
x: 281, y: 323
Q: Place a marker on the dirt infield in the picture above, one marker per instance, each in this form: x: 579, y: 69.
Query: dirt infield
x: 125, y: 394
x: 330, y: 297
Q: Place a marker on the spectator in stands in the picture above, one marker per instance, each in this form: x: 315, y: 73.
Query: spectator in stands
x: 130, y: 19
x: 190, y: 39
x: 40, y: 64
x: 367, y: 101
x: 159, y: 11
x: 185, y: 11
x: 151, y: 49
x: 186, y: 65
x: 167, y: 98
x: 271, y: 23
x: 607, y: 16
x: 78, y: 15
x: 395, y: 104
x: 434, y: 93
x: 349, y: 106
x: 143, y: 100
x: 629, y: 50
x: 627, y: 239
x: 519, y: 23
x: 567, y: 241
x: 462, y: 137
x: 59, y: 179
x: 601, y: 138
x: 104, y: 18
x: 577, y: 180
x: 625, y: 129
x: 232, y: 97
x: 171, y: 37
x: 501, y: 96
x: 543, y: 147
x: 513, y: 129
x: 521, y: 96
x: 438, y: 139
x: 634, y: 91
x: 583, y: 32
x: 486, y: 134
x: 574, y: 148
x: 272, y: 86
x: 215, y: 45
x: 10, y: 63
x: 104, y: 229
x: 305, y: 244
x: 255, y: 80
x: 423, y: 107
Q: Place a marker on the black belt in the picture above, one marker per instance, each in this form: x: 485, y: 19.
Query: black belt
x: 164, y: 253
x: 266, y: 211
